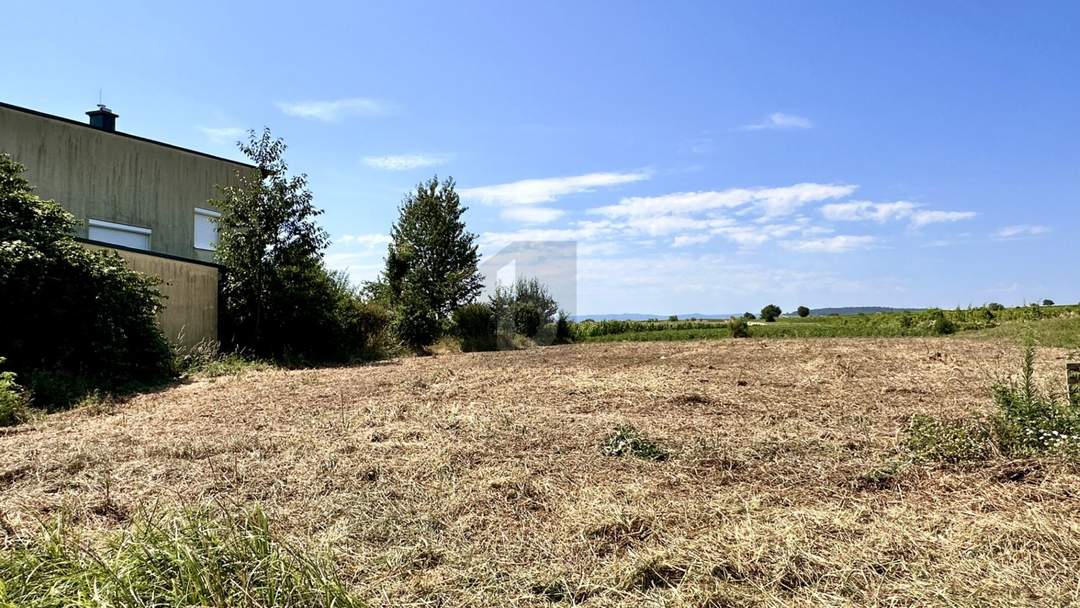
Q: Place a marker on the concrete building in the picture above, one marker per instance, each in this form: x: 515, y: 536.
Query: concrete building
x: 143, y: 198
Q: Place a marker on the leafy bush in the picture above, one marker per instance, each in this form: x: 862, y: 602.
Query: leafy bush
x: 771, y: 313
x: 628, y: 441
x: 1047, y: 302
x: 804, y: 311
x: 474, y: 325
x: 12, y: 400
x: 186, y: 559
x: 69, y: 312
x: 414, y: 320
x: 940, y: 324
x: 740, y: 328
x: 749, y: 316
x: 994, y: 306
x: 527, y: 305
x: 564, y: 329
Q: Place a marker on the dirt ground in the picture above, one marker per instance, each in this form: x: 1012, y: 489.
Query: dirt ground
x: 478, y: 479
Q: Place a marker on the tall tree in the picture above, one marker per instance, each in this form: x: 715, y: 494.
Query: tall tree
x: 271, y: 247
x: 432, y: 261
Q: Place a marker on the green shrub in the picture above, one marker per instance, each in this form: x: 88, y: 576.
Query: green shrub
x: 70, y: 312
x: 771, y: 313
x: 186, y: 559
x: 12, y: 400
x: 994, y: 306
x: 739, y: 327
x: 414, y: 320
x: 1047, y: 302
x: 360, y: 327
x: 564, y: 329
x: 628, y: 441
x: 749, y: 316
x: 474, y: 325
x: 528, y: 318
x: 804, y: 311
x: 940, y: 324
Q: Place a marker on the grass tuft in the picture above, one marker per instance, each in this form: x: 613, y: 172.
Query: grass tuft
x: 187, y: 559
x: 628, y: 441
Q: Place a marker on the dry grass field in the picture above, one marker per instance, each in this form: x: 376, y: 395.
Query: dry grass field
x: 478, y: 479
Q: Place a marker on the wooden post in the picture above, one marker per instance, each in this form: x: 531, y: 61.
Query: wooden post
x: 1073, y: 372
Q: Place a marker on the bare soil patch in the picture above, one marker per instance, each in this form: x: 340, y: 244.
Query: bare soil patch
x: 478, y: 479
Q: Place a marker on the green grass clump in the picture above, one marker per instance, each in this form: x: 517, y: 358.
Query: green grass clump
x: 187, y: 559
x: 206, y: 359
x: 628, y: 441
x: 13, y: 408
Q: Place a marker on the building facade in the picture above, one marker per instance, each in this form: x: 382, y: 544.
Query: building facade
x: 143, y: 198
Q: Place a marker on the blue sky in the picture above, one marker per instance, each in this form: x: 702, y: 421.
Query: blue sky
x: 709, y: 157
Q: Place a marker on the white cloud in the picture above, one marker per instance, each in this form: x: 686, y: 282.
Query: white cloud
x: 779, y: 120
x: 222, y: 135
x: 545, y: 190
x: 532, y: 215
x: 581, y: 231
x: 771, y: 201
x: 861, y: 211
x: 835, y: 244
x: 405, y: 162
x: 867, y: 211
x: 1020, y: 230
x: 334, y: 110
x: 750, y: 236
x: 363, y: 240
x: 923, y: 218
x: 687, y: 240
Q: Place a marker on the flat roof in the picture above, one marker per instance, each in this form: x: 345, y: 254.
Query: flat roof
x: 122, y: 134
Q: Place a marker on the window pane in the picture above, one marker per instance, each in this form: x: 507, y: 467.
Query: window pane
x: 117, y: 235
x: 205, y: 231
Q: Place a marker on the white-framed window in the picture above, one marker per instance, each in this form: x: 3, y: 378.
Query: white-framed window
x: 119, y: 234
x: 206, y: 229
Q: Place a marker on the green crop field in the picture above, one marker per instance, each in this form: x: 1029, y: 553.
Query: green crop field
x: 1049, y: 325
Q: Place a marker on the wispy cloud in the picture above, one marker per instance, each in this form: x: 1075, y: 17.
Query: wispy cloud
x: 926, y: 217
x: 363, y: 240
x: 688, y: 240
x: 836, y: 244
x: 222, y: 135
x: 780, y: 120
x: 865, y: 211
x: 334, y: 110
x: 1020, y: 230
x: 545, y: 190
x: 531, y: 215
x: 405, y: 162
x: 771, y: 201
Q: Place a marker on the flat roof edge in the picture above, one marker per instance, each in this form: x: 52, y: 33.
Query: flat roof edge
x: 15, y: 108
